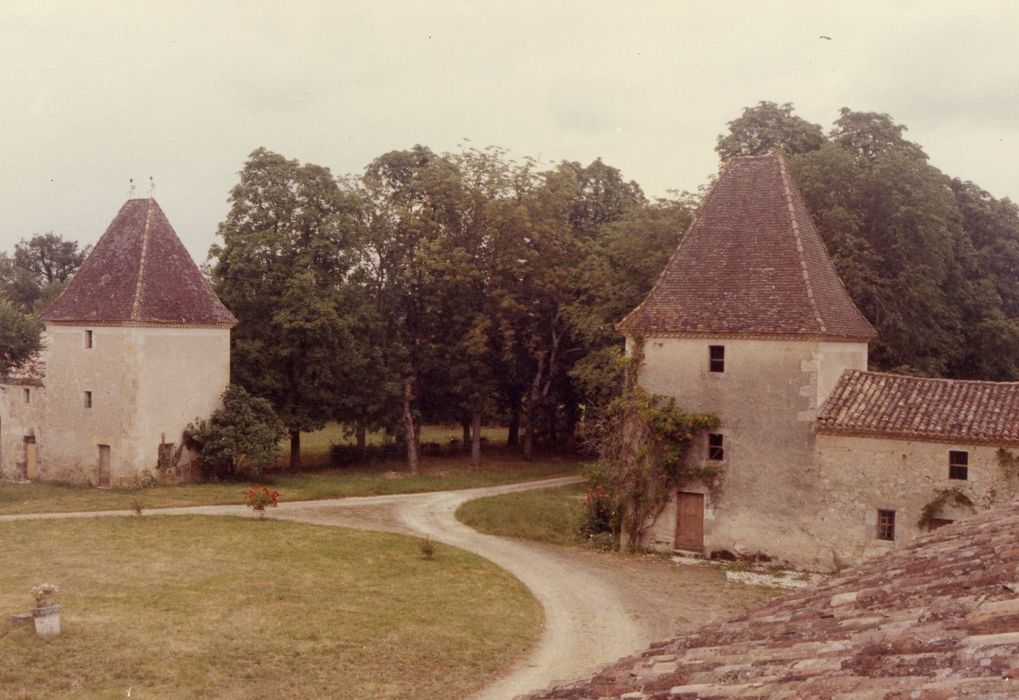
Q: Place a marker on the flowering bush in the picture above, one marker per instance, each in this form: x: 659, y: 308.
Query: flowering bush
x: 258, y: 499
x: 43, y: 594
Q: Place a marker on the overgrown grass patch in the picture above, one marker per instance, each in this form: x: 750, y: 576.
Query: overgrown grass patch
x: 546, y: 515
x: 193, y: 606
x: 374, y: 480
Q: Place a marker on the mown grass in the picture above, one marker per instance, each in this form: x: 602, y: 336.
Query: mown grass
x: 195, y: 607
x: 544, y: 515
x: 315, y: 445
x: 437, y: 474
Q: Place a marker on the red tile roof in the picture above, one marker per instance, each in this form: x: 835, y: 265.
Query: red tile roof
x: 936, y: 619
x: 139, y: 273
x: 921, y: 408
x: 751, y: 263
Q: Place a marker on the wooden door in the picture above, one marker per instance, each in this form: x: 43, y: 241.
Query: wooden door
x: 31, y: 463
x: 103, y: 480
x: 690, y: 521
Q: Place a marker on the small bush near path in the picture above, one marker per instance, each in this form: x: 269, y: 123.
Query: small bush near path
x: 195, y: 607
x: 545, y: 515
x: 375, y: 480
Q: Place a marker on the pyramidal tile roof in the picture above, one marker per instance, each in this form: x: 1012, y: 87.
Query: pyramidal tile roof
x: 938, y: 618
x: 139, y: 273
x: 883, y: 405
x: 751, y: 263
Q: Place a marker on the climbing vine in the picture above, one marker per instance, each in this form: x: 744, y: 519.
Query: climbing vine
x: 1009, y: 464
x: 642, y: 440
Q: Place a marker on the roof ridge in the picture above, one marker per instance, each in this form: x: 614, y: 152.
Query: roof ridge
x: 787, y: 193
x: 947, y: 380
x: 136, y: 304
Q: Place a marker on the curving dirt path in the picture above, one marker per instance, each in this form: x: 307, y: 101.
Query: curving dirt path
x: 598, y: 606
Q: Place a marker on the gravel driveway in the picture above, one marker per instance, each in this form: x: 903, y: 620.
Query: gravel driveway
x: 598, y: 606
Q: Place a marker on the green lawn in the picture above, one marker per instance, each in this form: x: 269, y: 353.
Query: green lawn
x: 545, y: 515
x: 383, y: 478
x: 195, y: 607
x: 315, y: 446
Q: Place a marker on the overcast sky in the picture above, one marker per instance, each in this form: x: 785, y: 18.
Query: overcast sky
x: 94, y: 93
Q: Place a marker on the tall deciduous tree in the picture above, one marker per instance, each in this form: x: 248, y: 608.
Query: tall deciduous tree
x: 287, y: 248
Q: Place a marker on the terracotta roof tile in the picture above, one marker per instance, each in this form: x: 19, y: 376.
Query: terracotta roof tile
x: 139, y: 272
x: 922, y: 408
x: 751, y: 263
x: 936, y: 619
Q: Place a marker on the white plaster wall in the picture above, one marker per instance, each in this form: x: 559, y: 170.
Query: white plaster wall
x: 17, y: 420
x: 146, y: 383
x: 184, y: 372
x: 861, y: 475
x: 767, y: 399
x: 110, y: 370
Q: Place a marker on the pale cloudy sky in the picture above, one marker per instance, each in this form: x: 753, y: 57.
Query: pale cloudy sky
x: 93, y: 93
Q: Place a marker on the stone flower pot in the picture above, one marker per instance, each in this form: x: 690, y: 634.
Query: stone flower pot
x: 47, y: 620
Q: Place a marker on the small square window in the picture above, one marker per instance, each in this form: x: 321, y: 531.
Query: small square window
x: 716, y: 358
x: 716, y: 449
x: 958, y: 465
x: 886, y: 525
x: 26, y: 395
x: 88, y: 339
x: 88, y: 399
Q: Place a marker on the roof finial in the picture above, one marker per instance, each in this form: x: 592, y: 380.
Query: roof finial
x: 130, y: 192
x: 152, y: 187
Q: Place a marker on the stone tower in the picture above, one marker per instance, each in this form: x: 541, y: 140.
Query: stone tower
x: 749, y: 321
x: 138, y: 345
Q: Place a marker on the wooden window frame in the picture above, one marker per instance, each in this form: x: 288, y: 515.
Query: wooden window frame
x: 716, y: 359
x: 958, y: 465
x: 716, y: 447
x: 886, y: 525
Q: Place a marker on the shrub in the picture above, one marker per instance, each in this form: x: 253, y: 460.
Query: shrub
x: 427, y: 548
x: 239, y: 439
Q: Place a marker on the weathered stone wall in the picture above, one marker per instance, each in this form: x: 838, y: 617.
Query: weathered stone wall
x: 767, y: 398
x: 110, y: 370
x: 147, y: 384
x: 861, y: 475
x: 184, y: 372
x: 18, y: 420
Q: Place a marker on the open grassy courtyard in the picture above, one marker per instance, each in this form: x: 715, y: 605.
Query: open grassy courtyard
x: 189, y: 606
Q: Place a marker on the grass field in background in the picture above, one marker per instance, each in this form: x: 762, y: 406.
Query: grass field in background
x: 382, y: 478
x: 544, y: 515
x: 181, y: 606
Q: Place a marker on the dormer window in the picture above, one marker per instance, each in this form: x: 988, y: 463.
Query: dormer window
x: 88, y: 340
x: 716, y: 358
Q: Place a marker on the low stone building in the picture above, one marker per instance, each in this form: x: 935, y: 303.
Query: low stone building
x: 821, y: 462
x: 135, y: 348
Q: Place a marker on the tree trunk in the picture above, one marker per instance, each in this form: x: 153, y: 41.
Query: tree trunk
x: 295, y: 450
x: 466, y: 425
x: 553, y: 412
x: 570, y: 429
x: 476, y: 438
x: 513, y: 436
x: 531, y: 410
x: 362, y: 442
x: 410, y: 433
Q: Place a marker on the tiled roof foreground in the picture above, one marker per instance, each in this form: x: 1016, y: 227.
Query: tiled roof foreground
x: 921, y: 408
x: 936, y: 619
x: 751, y: 263
x: 139, y: 272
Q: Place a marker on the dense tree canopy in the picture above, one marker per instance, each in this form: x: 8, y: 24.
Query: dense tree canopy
x: 467, y: 287
x: 931, y: 261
